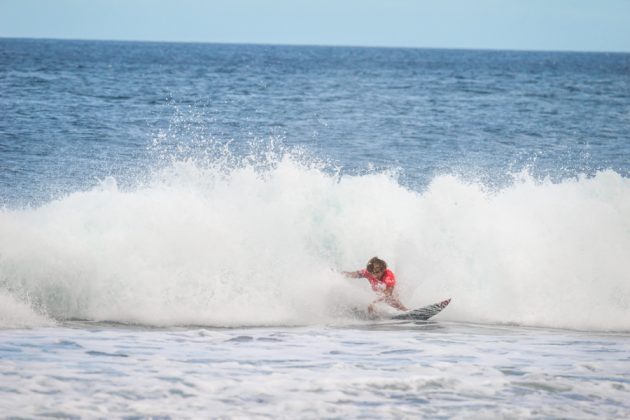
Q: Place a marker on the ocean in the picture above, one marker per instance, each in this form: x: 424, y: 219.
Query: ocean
x: 175, y: 218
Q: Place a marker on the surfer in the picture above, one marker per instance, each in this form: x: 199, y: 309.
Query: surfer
x: 382, y: 281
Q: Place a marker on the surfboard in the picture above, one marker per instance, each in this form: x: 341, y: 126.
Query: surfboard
x: 424, y: 313
x: 420, y: 314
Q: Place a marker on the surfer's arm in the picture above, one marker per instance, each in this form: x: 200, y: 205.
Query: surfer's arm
x: 352, y: 274
x: 391, y: 299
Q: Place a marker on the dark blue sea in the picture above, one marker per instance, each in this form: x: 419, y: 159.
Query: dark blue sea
x: 174, y: 219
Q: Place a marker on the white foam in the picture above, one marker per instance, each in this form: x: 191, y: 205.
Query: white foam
x: 200, y: 245
x: 17, y: 314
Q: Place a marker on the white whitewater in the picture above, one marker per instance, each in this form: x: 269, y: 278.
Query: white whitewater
x: 199, y: 245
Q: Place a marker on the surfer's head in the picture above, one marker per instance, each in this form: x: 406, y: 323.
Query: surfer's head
x: 376, y: 266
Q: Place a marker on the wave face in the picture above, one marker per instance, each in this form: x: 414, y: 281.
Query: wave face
x: 202, y: 245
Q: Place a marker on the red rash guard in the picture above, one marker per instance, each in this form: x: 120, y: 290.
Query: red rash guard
x: 378, y: 285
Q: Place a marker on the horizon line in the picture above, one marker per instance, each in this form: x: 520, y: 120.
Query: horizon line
x: 271, y: 44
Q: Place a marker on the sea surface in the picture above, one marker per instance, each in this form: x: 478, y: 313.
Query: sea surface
x: 174, y: 219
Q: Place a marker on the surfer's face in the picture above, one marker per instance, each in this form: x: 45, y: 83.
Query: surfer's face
x: 378, y: 270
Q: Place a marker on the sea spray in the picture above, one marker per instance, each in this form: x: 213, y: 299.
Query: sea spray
x: 263, y: 245
x: 18, y: 313
x: 535, y: 253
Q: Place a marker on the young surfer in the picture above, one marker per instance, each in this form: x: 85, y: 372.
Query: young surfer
x: 382, y: 281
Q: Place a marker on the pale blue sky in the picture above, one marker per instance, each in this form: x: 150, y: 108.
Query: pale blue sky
x: 575, y: 25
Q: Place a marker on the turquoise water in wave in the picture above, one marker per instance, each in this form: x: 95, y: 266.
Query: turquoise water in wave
x: 174, y: 217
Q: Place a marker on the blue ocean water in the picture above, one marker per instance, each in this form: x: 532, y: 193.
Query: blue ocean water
x: 175, y: 217
x: 75, y: 111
